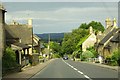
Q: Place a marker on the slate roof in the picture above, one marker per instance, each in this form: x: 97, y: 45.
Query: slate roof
x: 105, y: 32
x: 34, y: 35
x: 110, y: 34
x: 116, y: 37
x: 22, y: 32
x: 37, y: 39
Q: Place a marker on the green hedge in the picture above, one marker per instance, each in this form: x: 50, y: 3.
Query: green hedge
x: 9, y: 59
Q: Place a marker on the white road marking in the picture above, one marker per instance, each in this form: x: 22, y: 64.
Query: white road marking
x: 86, y: 76
x: 78, y: 71
x: 74, y: 68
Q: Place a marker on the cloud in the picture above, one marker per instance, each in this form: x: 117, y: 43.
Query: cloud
x: 63, y: 14
x: 62, y: 19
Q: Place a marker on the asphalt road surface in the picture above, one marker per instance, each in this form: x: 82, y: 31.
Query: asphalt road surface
x: 60, y: 68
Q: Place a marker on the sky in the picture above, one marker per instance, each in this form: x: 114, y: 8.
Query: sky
x: 57, y: 17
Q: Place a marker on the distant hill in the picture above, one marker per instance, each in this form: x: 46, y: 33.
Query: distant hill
x: 58, y: 37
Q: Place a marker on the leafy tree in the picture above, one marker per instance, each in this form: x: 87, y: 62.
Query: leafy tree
x: 56, y: 48
x: 84, y: 26
x: 73, y: 41
x: 97, y: 26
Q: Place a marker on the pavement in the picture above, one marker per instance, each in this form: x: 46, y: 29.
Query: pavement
x: 27, y: 72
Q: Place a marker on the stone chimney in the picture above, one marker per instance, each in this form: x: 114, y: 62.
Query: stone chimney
x: 90, y: 30
x: 30, y: 23
x: 114, y: 22
x: 108, y: 22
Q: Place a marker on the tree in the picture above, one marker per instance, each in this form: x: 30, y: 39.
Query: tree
x: 73, y: 41
x: 55, y: 47
x: 97, y: 26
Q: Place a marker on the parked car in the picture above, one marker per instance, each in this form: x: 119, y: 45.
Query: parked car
x: 65, y: 58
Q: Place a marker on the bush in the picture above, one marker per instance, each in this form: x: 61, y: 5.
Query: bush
x: 113, y: 59
x: 86, y: 55
x: 92, y: 49
x: 56, y: 55
x: 9, y: 59
x: 41, y: 57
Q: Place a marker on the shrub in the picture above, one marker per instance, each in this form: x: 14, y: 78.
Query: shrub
x: 9, y: 59
x: 40, y: 57
x: 113, y: 59
x: 86, y: 55
x: 92, y: 49
x: 56, y: 55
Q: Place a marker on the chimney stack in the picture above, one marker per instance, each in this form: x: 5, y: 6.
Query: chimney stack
x: 108, y: 22
x: 90, y: 30
x: 30, y: 23
x: 114, y: 22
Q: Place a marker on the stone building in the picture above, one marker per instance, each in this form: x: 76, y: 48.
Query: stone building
x: 90, y: 41
x: 36, y: 44
x: 19, y: 38
x: 2, y: 31
x: 107, y: 42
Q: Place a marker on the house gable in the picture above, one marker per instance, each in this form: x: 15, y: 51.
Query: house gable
x: 90, y: 41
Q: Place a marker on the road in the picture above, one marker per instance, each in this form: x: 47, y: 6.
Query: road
x: 69, y: 69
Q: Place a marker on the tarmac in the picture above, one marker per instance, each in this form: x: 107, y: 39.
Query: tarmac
x: 29, y: 72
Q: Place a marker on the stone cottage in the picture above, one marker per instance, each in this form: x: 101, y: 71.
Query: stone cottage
x: 19, y: 38
x: 107, y: 42
x: 90, y: 41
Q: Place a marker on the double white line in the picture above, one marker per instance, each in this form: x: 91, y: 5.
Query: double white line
x: 77, y: 70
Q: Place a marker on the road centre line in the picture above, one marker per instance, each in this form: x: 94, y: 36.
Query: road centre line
x: 75, y: 69
x: 78, y: 71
